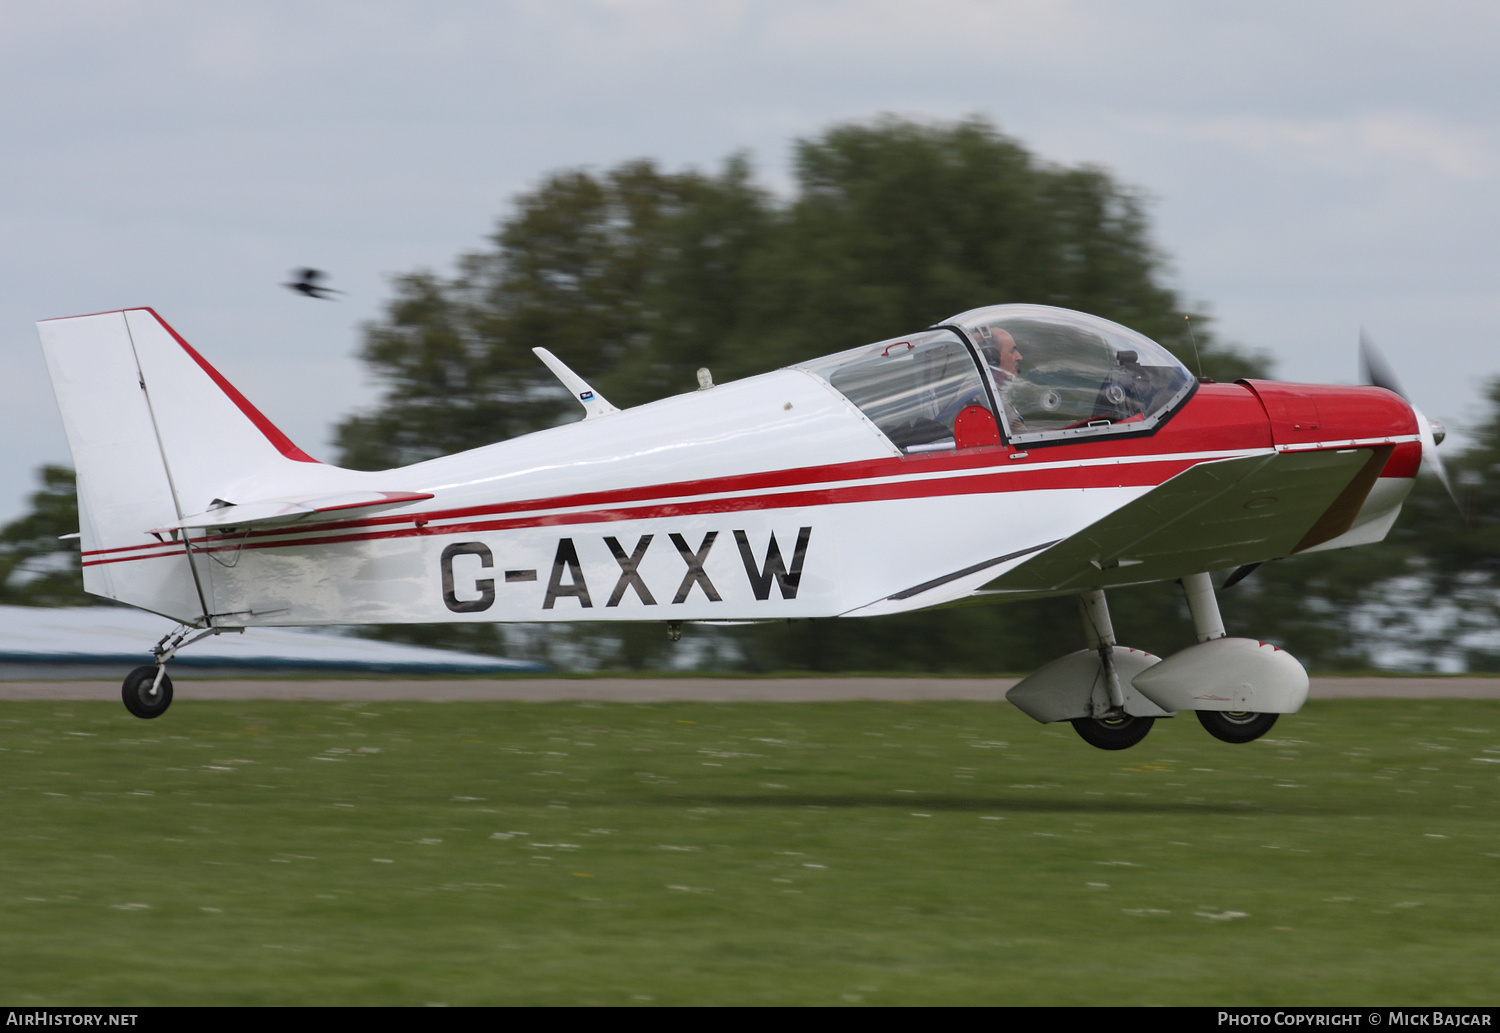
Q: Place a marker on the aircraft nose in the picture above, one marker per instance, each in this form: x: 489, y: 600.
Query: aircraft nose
x: 1308, y: 414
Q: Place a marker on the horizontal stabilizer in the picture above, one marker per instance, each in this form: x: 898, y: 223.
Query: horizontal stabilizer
x: 291, y: 510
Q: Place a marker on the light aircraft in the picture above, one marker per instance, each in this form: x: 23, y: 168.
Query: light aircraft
x: 1009, y: 453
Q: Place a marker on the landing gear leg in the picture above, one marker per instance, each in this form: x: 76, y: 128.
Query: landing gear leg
x: 1109, y: 728
x: 1204, y: 606
x: 147, y: 690
x: 1226, y: 725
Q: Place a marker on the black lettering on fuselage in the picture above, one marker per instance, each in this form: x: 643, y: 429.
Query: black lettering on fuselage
x: 786, y: 580
x: 484, y: 586
x: 629, y: 576
x: 695, y: 575
x: 566, y: 559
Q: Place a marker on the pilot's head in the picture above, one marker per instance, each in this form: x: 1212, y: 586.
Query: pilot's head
x: 1000, y: 351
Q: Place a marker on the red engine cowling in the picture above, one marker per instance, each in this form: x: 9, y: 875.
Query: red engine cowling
x: 1314, y: 413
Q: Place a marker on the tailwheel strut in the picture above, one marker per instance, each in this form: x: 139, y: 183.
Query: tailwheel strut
x: 147, y: 691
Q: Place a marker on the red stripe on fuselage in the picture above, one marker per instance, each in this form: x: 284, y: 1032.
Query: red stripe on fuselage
x: 126, y: 559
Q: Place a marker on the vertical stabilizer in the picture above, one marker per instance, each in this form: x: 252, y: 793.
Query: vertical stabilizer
x: 156, y: 433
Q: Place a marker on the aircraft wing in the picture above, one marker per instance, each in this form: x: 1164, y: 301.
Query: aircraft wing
x: 1209, y: 517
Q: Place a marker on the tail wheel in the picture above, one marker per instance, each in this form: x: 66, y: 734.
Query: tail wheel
x: 1113, y: 733
x: 1236, y: 725
x: 143, y: 697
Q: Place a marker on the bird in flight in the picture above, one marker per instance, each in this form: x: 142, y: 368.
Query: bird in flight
x: 305, y: 281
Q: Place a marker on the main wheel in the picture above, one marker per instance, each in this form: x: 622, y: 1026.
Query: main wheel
x: 1236, y: 725
x: 1113, y: 733
x: 139, y: 698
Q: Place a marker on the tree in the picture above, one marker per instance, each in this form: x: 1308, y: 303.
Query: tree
x: 897, y: 225
x: 37, y: 566
x: 623, y: 275
x: 636, y: 277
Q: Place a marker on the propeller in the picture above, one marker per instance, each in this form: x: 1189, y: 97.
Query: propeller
x: 1374, y: 369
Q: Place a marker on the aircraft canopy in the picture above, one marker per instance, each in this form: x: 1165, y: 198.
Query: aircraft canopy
x: 1060, y: 373
x: 914, y: 389
x: 1057, y: 375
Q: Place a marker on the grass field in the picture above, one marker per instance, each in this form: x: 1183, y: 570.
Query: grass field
x: 880, y: 853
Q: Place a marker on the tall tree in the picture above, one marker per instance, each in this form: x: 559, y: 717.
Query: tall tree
x: 38, y: 567
x: 897, y: 225
x: 624, y: 276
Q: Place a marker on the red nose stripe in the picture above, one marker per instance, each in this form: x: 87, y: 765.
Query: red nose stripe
x: 1405, y: 461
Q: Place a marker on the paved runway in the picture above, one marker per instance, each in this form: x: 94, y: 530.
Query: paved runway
x: 645, y: 690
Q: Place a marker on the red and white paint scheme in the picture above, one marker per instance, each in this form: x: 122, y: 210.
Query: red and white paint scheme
x: 1012, y: 452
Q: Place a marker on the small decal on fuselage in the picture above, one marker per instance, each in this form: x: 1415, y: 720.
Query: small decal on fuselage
x: 569, y: 580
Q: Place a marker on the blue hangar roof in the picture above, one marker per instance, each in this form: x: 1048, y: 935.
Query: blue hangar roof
x: 63, y: 642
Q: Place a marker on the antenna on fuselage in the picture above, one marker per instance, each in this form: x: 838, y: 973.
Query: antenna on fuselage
x: 594, y: 404
x: 1194, y: 338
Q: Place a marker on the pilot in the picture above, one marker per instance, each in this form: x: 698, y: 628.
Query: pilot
x: 1000, y: 351
x: 1004, y: 359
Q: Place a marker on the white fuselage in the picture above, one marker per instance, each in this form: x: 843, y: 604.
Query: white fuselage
x: 530, y: 529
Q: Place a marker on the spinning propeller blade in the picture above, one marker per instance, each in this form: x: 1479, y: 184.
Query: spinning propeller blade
x: 1375, y: 370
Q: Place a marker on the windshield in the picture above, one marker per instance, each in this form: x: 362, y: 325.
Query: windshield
x: 1059, y: 373
x: 924, y: 391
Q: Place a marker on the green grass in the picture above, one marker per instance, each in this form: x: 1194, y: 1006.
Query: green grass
x: 295, y: 853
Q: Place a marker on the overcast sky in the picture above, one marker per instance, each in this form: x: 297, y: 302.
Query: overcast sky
x: 1313, y: 167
